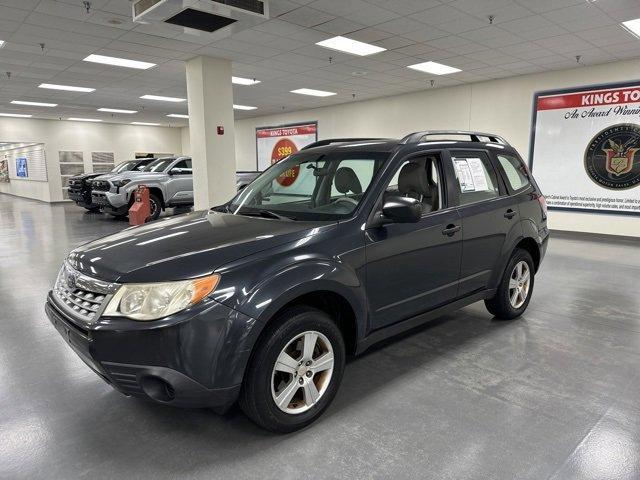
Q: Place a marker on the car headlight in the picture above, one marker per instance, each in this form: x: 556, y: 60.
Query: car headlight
x: 121, y: 183
x: 151, y: 301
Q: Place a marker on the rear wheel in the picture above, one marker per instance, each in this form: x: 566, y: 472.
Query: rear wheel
x: 515, y: 289
x: 295, y: 372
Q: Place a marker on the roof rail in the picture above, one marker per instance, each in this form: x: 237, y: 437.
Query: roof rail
x: 474, y: 136
x: 331, y: 141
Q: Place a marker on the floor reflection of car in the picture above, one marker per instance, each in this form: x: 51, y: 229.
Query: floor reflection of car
x: 80, y: 185
x: 329, y: 251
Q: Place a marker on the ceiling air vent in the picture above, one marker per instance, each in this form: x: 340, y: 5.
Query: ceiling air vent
x: 207, y: 22
x: 254, y: 6
x: 219, y: 18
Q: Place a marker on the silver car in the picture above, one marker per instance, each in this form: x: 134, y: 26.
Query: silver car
x: 170, y: 182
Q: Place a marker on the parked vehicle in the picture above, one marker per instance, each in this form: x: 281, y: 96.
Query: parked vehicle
x: 170, y: 182
x: 329, y: 251
x: 80, y: 185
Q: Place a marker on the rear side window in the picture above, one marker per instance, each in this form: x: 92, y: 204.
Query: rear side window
x: 476, y: 176
x: 515, y: 171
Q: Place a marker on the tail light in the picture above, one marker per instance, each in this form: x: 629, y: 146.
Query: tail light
x: 543, y: 204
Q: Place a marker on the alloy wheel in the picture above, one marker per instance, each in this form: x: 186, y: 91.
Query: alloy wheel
x: 519, y: 284
x: 302, y: 372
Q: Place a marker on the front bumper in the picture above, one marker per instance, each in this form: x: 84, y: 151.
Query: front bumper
x: 111, y: 202
x: 193, y: 359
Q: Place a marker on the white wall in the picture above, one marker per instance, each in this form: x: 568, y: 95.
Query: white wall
x: 123, y: 140
x: 499, y: 106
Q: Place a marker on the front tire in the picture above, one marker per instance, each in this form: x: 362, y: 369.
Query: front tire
x: 295, y: 371
x: 155, y: 207
x: 514, y: 292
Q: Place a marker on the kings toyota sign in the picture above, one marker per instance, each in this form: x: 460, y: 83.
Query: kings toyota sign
x: 585, y: 148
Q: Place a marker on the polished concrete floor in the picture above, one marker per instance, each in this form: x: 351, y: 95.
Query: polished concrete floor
x: 551, y: 395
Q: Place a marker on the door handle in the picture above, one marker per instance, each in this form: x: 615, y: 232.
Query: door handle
x: 509, y: 214
x: 451, y: 230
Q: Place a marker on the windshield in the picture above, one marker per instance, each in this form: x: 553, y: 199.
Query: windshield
x: 159, y: 165
x: 125, y: 166
x: 311, y: 186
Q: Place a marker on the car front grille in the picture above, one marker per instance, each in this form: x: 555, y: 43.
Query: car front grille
x: 101, y: 185
x: 81, y: 297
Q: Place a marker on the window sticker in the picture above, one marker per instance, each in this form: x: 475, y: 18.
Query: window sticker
x: 471, y: 176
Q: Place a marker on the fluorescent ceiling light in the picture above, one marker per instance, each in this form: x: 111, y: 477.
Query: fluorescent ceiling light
x: 178, y: 115
x: 633, y: 26
x: 244, y: 81
x: 68, y: 88
x: 244, y: 107
x: 116, y: 110
x: 34, y: 104
x: 435, y: 68
x: 2, y: 43
x: 312, y: 92
x: 119, y: 62
x: 163, y: 99
x: 76, y: 119
x: 146, y: 123
x: 19, y: 115
x: 354, y: 47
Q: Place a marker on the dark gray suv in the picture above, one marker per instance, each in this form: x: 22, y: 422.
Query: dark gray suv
x: 329, y: 251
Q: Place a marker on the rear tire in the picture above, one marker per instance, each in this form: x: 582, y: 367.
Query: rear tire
x: 515, y: 289
x: 295, y: 371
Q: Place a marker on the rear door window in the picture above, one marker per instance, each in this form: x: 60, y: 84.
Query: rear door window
x: 476, y: 176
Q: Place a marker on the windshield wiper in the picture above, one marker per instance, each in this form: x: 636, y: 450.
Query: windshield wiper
x: 265, y: 214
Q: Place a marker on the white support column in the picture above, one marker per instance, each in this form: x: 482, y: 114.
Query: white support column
x: 210, y: 97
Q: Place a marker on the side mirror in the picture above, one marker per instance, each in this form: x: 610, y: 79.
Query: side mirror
x: 176, y: 171
x: 402, y: 210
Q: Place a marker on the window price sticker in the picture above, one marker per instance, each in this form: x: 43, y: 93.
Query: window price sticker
x: 471, y: 176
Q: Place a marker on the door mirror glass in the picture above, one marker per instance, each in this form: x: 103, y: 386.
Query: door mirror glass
x: 402, y: 209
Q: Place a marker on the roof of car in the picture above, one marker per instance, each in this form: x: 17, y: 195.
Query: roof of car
x: 428, y: 137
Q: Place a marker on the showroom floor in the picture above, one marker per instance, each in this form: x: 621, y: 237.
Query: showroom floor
x: 552, y: 395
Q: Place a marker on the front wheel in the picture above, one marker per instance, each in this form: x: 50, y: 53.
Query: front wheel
x: 515, y: 289
x: 155, y: 207
x: 295, y: 372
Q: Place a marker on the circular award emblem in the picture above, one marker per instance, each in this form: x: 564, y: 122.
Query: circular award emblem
x: 282, y: 149
x: 610, y: 158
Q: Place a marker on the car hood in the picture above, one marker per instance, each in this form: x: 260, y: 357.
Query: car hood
x: 186, y: 246
x: 132, y: 175
x: 85, y: 176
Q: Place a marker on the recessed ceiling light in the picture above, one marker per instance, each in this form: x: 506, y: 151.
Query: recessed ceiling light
x: 116, y: 110
x: 2, y: 43
x: 146, y: 123
x: 178, y: 115
x: 34, y: 104
x: 163, y: 99
x: 633, y: 26
x: 19, y: 115
x: 312, y: 92
x: 76, y: 119
x: 244, y: 107
x: 435, y: 68
x: 244, y: 81
x: 354, y: 47
x: 68, y: 88
x: 119, y: 62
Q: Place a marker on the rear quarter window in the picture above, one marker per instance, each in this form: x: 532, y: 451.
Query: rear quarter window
x: 515, y: 172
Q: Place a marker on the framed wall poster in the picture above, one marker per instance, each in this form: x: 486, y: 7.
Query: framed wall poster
x: 275, y: 143
x: 585, y: 148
